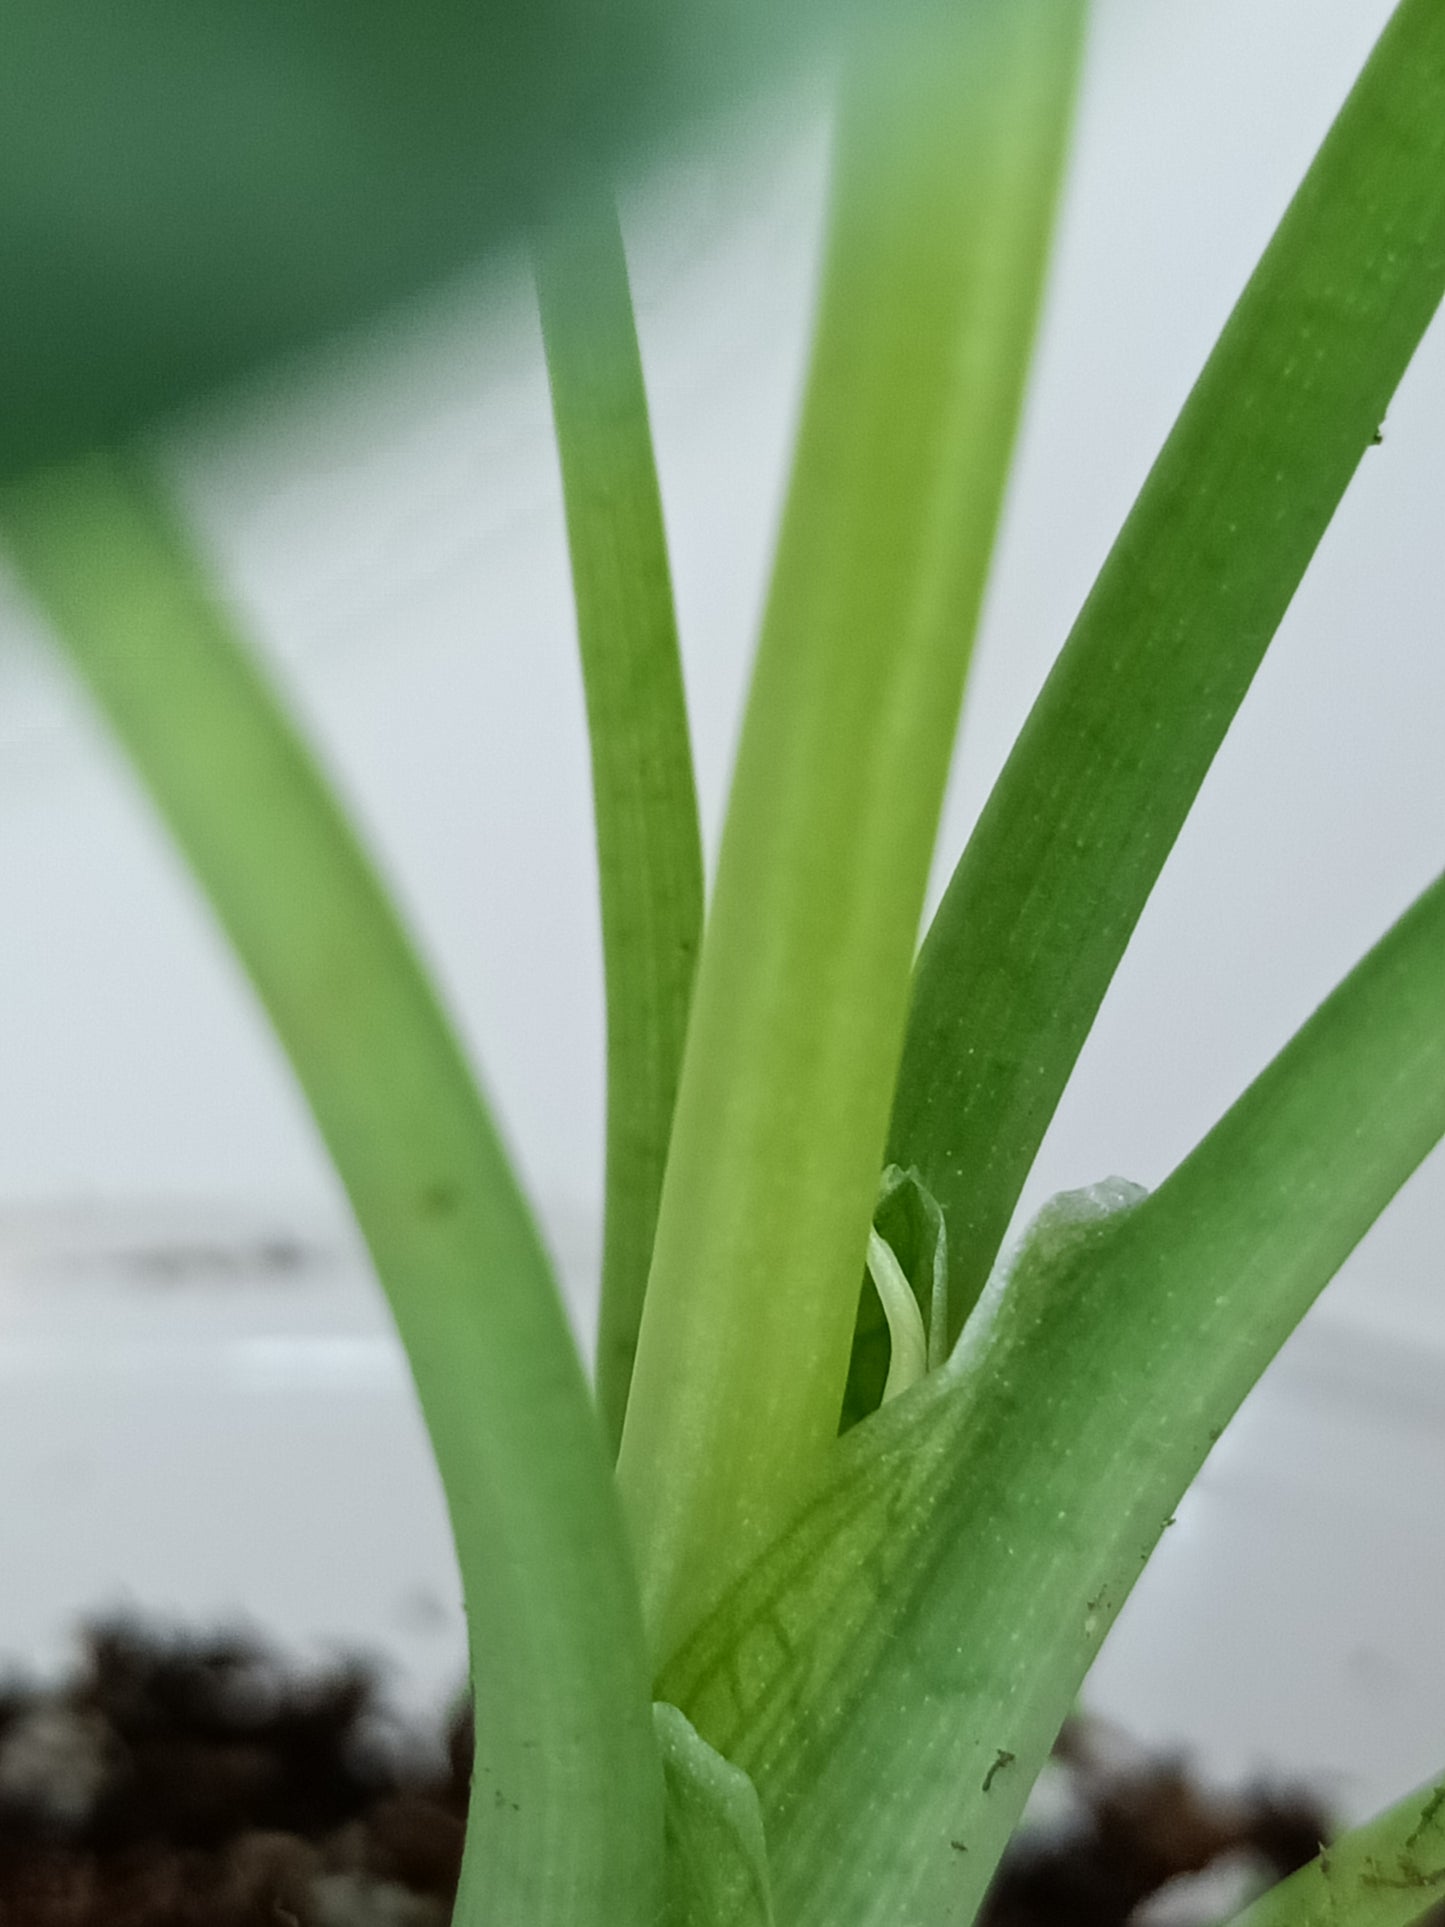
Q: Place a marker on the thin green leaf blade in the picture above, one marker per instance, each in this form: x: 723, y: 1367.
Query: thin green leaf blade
x: 649, y: 848
x: 567, y: 1816
x: 797, y: 1017
x: 1070, y: 843
x: 1389, y: 1872
x: 717, y: 1857
x: 892, y: 1673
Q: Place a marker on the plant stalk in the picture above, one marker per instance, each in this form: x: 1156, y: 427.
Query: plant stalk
x: 566, y: 1820
x: 948, y: 153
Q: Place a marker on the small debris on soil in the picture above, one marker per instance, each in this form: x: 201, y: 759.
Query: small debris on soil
x: 180, y: 1782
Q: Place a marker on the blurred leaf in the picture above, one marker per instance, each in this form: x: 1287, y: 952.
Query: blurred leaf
x: 188, y: 187
x: 567, y: 1810
x: 1100, y: 781
x: 717, y: 1858
x: 893, y: 1672
x: 649, y: 848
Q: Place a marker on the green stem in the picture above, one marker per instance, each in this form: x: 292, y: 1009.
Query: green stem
x: 1057, y: 871
x: 649, y: 852
x: 1387, y: 1873
x: 566, y: 1823
x: 947, y: 162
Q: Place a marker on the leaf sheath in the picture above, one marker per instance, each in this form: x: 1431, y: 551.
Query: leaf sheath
x: 938, y: 1604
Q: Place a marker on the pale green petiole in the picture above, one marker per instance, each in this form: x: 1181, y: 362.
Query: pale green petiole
x: 948, y: 155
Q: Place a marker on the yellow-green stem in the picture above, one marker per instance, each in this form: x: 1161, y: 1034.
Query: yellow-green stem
x: 947, y: 161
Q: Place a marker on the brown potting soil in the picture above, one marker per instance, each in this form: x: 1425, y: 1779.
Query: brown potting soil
x: 182, y: 1783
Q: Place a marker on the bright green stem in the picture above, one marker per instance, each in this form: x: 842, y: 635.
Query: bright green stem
x: 566, y: 1824
x: 1387, y: 1873
x: 649, y: 852
x: 948, y: 157
x: 1069, y: 846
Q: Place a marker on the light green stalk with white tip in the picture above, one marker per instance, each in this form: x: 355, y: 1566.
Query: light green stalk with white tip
x: 908, y: 1359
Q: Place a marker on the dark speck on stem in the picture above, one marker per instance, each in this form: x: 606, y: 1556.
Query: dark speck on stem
x: 440, y: 1200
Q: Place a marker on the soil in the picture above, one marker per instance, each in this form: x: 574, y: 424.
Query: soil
x: 199, y: 1783
x: 1139, y: 1839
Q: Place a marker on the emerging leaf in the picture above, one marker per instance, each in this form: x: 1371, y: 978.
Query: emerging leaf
x: 717, y: 1858
x: 907, y: 1220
